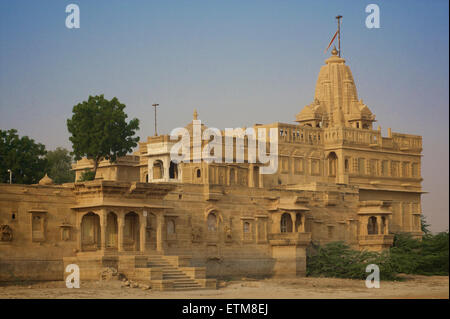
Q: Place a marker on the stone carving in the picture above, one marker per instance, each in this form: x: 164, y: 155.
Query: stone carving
x: 196, y: 234
x: 227, y: 230
x: 5, y: 233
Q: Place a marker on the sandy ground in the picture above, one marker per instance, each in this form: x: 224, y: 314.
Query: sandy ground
x: 303, y: 288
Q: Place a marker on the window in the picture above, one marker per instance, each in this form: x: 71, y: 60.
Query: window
x: 315, y: 168
x: 373, y: 165
x: 247, y: 231
x: 346, y: 165
x: 405, y: 169
x: 286, y: 223
x: 212, y: 222
x: 355, y: 165
x: 37, y: 226
x: 298, y: 165
x: 284, y: 164
x: 232, y: 176
x: 372, y: 227
x: 158, y: 170
x: 170, y: 227
x: 332, y: 164
x: 173, y: 170
x: 394, y: 168
x: 246, y: 227
x: 198, y: 173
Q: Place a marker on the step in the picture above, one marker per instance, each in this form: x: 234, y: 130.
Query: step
x: 185, y: 281
x: 186, y: 286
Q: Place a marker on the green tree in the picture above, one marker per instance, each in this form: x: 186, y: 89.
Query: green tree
x: 100, y: 131
x: 424, y: 225
x: 23, y: 156
x: 59, y: 165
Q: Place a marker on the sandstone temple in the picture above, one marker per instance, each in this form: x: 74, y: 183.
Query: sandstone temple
x: 181, y: 226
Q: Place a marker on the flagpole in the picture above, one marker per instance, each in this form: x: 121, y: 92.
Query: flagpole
x: 339, y: 33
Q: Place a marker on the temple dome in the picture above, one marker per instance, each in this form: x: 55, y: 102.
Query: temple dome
x: 336, y: 97
x: 46, y: 180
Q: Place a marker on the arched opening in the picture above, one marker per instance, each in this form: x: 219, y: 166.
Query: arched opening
x: 346, y: 165
x: 90, y: 232
x: 146, y: 178
x: 256, y: 176
x: 151, y: 231
x: 298, y: 222
x: 372, y: 227
x: 332, y: 164
x: 173, y: 170
x: 286, y: 223
x: 212, y: 222
x: 365, y: 126
x: 131, y: 232
x: 111, y: 231
x: 198, y: 173
x: 158, y: 169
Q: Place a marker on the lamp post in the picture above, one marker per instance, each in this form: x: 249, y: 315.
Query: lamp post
x: 10, y: 176
x: 155, y: 105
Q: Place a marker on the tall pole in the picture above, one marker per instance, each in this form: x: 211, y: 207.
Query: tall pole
x: 155, y: 105
x: 339, y: 33
x: 10, y: 176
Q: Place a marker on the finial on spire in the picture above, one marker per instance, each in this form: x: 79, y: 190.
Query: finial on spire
x: 195, y: 114
x: 334, y: 51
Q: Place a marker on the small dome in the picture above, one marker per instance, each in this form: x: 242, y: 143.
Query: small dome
x: 46, y: 180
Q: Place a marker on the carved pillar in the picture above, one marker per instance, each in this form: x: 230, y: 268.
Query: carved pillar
x: 142, y: 231
x: 293, y: 219
x: 120, y: 232
x: 166, y: 162
x: 102, y: 214
x: 379, y: 225
x: 159, y: 231
x: 251, y: 172
x: 260, y: 179
x: 79, y: 219
x: 150, y: 170
x: 386, y: 227
x: 303, y: 220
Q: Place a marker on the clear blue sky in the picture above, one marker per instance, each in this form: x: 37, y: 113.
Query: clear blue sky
x: 238, y: 62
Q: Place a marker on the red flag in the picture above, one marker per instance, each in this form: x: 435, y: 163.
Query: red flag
x: 329, y: 45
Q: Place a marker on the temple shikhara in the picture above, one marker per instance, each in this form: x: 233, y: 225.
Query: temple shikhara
x: 181, y: 226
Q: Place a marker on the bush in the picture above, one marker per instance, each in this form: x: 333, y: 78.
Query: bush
x: 338, y: 260
x: 426, y: 257
x: 87, y: 175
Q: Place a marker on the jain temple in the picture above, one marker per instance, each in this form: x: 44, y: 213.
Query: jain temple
x: 182, y: 226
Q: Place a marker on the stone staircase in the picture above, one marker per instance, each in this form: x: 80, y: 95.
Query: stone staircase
x: 161, y: 272
x: 171, y: 273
